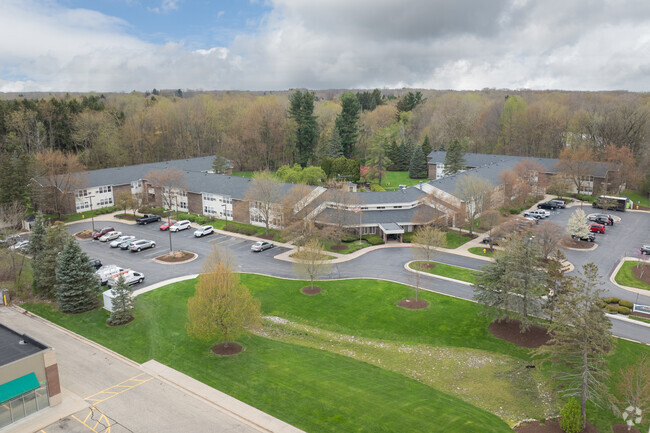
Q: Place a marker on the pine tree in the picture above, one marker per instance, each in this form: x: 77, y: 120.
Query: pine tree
x: 122, y: 303
x: 455, y: 158
x: 377, y: 158
x: 426, y: 146
x: 347, y: 123
x: 393, y: 153
x: 45, y: 266
x: 418, y: 167
x: 76, y: 283
x: 404, y: 159
x: 37, y: 249
x: 301, y: 110
x: 335, y: 149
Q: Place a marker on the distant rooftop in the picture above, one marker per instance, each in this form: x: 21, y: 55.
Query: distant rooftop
x: 11, y: 348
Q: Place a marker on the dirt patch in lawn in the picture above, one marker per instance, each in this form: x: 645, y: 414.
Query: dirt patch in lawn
x: 177, y: 257
x: 413, y: 304
x: 550, y: 426
x: 311, y: 290
x: 86, y: 234
x: 424, y: 265
x: 227, y: 349
x: 339, y: 247
x: 508, y: 330
x: 577, y: 244
x: 642, y: 273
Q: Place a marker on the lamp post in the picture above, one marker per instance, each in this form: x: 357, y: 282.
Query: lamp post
x: 92, y: 216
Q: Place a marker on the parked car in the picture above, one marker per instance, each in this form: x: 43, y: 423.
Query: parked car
x: 147, y: 218
x: 547, y: 205
x: 126, y: 244
x: 108, y: 271
x: 116, y: 243
x: 590, y: 237
x: 96, y: 263
x: 110, y: 236
x: 595, y: 227
x: 534, y: 219
x: 166, y: 225
x: 20, y: 246
x: 605, y: 217
x: 203, y: 231
x: 261, y: 246
x: 490, y: 241
x: 645, y: 249
x: 10, y: 240
x: 533, y: 214
x: 102, y: 232
x: 142, y: 244
x: 130, y: 277
x: 599, y: 219
x: 180, y: 225
x: 559, y: 203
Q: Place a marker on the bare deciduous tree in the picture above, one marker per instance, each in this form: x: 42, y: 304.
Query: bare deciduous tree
x: 58, y: 175
x: 312, y: 261
x: 170, y: 184
x: 475, y: 192
x: 548, y: 235
x: 265, y: 198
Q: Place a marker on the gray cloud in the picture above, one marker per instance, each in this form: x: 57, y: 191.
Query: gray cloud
x: 465, y: 44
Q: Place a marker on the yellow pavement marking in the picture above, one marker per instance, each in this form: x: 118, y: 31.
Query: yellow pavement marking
x: 103, y: 421
x: 117, y: 389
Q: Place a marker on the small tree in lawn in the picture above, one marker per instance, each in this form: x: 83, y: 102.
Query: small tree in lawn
x: 221, y: 308
x: 634, y: 391
x: 122, y: 303
x: 125, y: 201
x: 76, y: 283
x: 431, y: 239
x: 577, y: 226
x: 312, y: 261
x: 570, y: 419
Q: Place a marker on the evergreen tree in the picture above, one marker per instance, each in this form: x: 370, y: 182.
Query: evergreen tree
x: 76, y: 283
x: 409, y: 101
x: 122, y: 303
x: 45, y: 267
x: 418, y: 167
x: 37, y: 249
x: 301, y: 110
x: 393, y: 153
x: 455, y: 158
x: 377, y: 158
x: 14, y: 178
x: 404, y: 157
x: 220, y: 165
x: 335, y: 148
x: 426, y: 146
x: 347, y: 123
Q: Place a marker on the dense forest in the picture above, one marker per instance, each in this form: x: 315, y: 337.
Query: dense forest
x: 259, y: 130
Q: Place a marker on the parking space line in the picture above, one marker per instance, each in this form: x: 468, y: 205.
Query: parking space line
x: 102, y: 421
x: 114, y: 390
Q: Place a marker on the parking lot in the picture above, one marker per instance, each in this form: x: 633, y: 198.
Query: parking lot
x: 154, y: 272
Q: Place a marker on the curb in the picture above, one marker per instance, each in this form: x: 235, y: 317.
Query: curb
x: 612, y: 277
x: 453, y: 280
x: 162, y: 262
x: 161, y: 284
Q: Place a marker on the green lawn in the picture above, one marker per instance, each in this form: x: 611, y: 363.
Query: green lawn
x: 394, y: 179
x: 454, y: 239
x: 243, y: 173
x: 625, y: 275
x: 312, y: 387
x: 479, y: 251
x: 83, y: 215
x: 351, y: 246
x: 637, y: 197
x: 254, y: 230
x: 449, y: 271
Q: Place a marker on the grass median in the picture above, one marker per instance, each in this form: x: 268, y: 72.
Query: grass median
x: 449, y: 271
x: 625, y: 275
x: 479, y: 251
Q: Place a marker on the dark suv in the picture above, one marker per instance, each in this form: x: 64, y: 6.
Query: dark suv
x: 559, y: 203
x: 547, y: 205
x: 590, y: 237
x: 602, y: 218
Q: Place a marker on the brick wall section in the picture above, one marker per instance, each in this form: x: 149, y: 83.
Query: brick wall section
x: 195, y: 203
x: 119, y: 190
x: 52, y: 377
x: 432, y: 171
x: 241, y: 211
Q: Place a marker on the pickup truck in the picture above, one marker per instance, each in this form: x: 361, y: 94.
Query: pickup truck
x: 148, y: 218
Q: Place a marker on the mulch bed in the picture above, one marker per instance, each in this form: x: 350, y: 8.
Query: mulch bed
x: 227, y: 349
x: 508, y: 330
x: 120, y: 324
x: 86, y: 234
x: 636, y: 313
x: 126, y: 217
x: 311, y: 290
x: 176, y: 257
x: 550, y: 426
x: 622, y: 428
x: 268, y: 237
x: 642, y: 273
x: 339, y: 247
x: 574, y: 243
x: 413, y: 304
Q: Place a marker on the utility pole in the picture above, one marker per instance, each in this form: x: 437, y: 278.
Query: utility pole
x: 92, y: 216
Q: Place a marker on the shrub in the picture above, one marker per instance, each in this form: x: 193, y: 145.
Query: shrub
x: 611, y: 299
x: 612, y: 309
x: 627, y: 304
x: 570, y: 417
x: 154, y: 210
x: 623, y: 310
x: 244, y: 230
x: 407, y: 238
x: 376, y: 187
x: 373, y: 239
x: 349, y: 238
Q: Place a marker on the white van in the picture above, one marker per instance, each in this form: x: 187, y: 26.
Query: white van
x: 131, y: 277
x: 108, y: 271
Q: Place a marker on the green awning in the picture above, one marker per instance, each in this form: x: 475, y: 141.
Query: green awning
x: 18, y: 386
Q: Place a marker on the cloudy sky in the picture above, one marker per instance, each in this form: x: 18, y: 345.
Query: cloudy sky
x: 124, y: 45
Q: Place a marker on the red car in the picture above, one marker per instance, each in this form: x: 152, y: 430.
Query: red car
x: 167, y: 225
x: 596, y: 228
x: 102, y: 232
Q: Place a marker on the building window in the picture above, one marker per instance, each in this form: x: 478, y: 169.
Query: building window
x: 82, y: 193
x: 369, y: 230
x: 381, y: 207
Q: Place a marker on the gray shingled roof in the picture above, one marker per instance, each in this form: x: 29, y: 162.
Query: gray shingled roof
x: 233, y: 186
x: 398, y: 216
